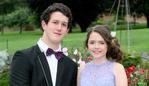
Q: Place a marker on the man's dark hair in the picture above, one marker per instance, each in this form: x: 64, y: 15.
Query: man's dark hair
x: 56, y: 7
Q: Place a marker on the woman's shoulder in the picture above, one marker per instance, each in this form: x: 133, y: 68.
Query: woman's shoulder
x: 118, y: 68
x: 120, y: 75
x: 118, y: 65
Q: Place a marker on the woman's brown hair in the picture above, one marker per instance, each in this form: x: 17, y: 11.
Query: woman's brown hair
x: 113, y: 52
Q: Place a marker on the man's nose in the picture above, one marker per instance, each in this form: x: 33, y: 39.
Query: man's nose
x: 59, y: 27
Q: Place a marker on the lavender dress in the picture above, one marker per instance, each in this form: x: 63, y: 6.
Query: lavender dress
x: 97, y: 74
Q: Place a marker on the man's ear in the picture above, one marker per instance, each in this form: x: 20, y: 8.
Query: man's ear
x: 43, y: 24
x: 68, y: 30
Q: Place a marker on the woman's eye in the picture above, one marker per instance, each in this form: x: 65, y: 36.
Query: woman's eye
x: 102, y: 42
x: 92, y: 42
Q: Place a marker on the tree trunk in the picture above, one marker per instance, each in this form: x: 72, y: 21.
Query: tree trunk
x: 147, y: 18
x: 2, y: 26
x: 70, y: 30
x: 83, y: 29
x: 20, y: 29
x: 134, y: 19
x: 2, y: 30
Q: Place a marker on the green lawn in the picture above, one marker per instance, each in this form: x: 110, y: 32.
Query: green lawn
x: 17, y: 41
x: 139, y: 40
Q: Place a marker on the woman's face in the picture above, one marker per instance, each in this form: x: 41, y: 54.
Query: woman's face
x: 97, y: 46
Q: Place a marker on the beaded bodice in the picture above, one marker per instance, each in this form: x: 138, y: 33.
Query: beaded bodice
x: 97, y: 74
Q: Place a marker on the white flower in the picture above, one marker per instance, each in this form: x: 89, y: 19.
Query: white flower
x: 3, y: 58
x: 65, y: 51
x: 82, y: 65
x: 80, y: 61
x: 2, y: 63
x: 131, y: 75
x: 113, y: 33
x: 4, y: 55
x: 74, y: 60
x: 75, y: 52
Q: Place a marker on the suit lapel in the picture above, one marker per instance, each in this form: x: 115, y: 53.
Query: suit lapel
x: 60, y: 71
x: 44, y: 65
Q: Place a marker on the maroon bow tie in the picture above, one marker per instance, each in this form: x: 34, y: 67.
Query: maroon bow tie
x: 58, y: 54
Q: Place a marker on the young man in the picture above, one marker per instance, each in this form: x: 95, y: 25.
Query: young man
x: 44, y: 64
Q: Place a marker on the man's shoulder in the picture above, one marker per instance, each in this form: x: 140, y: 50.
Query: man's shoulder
x: 69, y: 60
x: 28, y: 51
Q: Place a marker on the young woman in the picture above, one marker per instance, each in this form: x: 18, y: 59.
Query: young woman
x: 104, y: 69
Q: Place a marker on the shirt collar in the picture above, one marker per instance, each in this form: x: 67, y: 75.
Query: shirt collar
x: 43, y: 46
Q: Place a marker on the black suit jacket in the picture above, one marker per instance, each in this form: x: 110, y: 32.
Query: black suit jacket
x: 29, y: 67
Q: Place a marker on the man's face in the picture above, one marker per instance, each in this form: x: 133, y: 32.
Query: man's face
x: 56, y: 28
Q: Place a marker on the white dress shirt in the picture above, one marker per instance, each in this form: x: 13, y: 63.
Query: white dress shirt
x: 52, y: 61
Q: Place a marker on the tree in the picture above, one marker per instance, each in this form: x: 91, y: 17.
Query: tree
x: 141, y: 7
x: 5, y: 7
x: 18, y: 17
x: 84, y: 12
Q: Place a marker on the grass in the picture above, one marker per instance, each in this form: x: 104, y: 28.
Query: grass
x: 74, y: 40
x: 4, y: 78
x: 139, y: 40
x: 14, y: 41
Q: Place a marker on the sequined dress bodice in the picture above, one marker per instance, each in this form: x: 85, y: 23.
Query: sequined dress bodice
x: 97, y: 74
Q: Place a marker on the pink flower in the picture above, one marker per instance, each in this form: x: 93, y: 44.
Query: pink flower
x: 90, y: 58
x: 141, y: 71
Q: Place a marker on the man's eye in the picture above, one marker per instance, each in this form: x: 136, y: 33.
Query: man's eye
x: 55, y: 22
x: 65, y: 25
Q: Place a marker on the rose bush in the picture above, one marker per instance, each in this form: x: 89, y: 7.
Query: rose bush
x: 137, y: 69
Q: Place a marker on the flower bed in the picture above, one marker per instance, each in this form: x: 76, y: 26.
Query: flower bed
x: 137, y: 68
x: 137, y: 76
